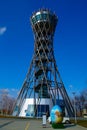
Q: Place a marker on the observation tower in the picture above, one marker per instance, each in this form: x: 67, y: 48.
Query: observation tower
x: 43, y: 86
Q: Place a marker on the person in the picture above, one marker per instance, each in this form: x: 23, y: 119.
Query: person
x: 47, y: 114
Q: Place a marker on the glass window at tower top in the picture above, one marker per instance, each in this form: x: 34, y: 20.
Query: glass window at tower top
x: 38, y: 17
x: 43, y: 16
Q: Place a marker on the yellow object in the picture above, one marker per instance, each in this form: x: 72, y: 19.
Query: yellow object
x: 59, y: 119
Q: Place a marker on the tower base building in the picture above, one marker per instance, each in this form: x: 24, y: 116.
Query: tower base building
x: 44, y: 107
x: 28, y: 107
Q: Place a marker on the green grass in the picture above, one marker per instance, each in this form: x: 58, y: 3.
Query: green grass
x: 81, y: 122
x: 57, y: 126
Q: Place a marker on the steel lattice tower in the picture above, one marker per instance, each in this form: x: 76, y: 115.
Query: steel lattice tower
x: 43, y: 79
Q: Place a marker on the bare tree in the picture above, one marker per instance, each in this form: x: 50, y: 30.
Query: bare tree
x: 80, y: 102
x: 6, y: 102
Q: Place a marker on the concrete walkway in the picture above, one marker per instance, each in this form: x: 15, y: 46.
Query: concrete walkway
x: 37, y: 125
x: 30, y: 124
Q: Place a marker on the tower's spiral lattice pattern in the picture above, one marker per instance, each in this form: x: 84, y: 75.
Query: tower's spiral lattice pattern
x: 43, y: 79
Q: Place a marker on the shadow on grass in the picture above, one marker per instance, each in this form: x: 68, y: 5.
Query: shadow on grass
x: 6, y: 124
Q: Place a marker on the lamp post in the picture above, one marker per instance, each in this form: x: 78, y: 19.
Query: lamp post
x: 74, y: 107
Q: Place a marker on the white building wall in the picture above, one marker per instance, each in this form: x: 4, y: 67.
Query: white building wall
x: 30, y: 101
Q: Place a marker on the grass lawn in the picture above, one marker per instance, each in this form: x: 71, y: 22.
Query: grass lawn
x: 81, y: 122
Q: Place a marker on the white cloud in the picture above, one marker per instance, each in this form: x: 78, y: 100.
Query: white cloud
x: 70, y: 86
x: 2, y: 30
x: 10, y: 92
x: 13, y: 89
x: 4, y: 90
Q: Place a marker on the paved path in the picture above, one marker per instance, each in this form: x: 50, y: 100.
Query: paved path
x: 13, y: 124
x: 25, y: 124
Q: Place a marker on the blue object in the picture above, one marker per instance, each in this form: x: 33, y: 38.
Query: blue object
x: 56, y: 114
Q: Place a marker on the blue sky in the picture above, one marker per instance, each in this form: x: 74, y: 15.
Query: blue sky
x: 17, y: 42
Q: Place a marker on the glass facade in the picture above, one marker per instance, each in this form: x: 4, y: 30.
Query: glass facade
x: 41, y: 109
x: 30, y: 111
